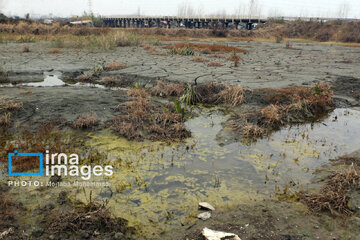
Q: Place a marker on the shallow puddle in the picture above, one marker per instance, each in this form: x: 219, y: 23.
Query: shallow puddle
x: 157, y: 186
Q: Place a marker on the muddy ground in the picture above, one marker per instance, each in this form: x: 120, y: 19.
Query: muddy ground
x: 267, y: 65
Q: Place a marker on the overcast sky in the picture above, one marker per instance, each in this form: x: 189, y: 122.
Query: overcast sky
x: 321, y: 8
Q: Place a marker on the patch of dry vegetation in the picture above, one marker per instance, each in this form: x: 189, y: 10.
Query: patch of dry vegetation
x: 215, y: 64
x: 85, y: 78
x: 233, y: 95
x: 10, y: 105
x: 151, y: 50
x: 55, y: 51
x: 45, y: 137
x: 163, y: 89
x: 116, y: 81
x: 92, y: 217
x: 203, y: 93
x: 289, y: 105
x: 199, y: 59
x: 143, y: 120
x: 36, y: 28
x: 334, y: 195
x: 115, y: 66
x: 235, y: 59
x: 205, y: 47
x: 86, y: 121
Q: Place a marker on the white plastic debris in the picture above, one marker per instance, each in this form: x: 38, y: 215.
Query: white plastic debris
x: 217, y: 235
x: 204, y: 216
x: 205, y: 205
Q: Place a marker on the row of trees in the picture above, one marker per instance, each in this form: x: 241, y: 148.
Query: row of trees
x: 253, y: 9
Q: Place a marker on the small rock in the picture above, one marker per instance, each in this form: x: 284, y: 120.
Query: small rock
x: 207, y: 206
x: 204, y: 216
x: 216, y: 235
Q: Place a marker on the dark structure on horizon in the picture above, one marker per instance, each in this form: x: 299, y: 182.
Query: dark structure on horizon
x: 181, y: 22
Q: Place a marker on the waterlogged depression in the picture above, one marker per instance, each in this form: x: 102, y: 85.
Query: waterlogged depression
x: 157, y: 186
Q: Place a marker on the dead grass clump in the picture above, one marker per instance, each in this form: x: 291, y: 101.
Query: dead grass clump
x: 212, y: 47
x: 5, y: 120
x: 205, y: 51
x: 333, y: 195
x: 55, y: 51
x: 116, y: 81
x: 233, y: 95
x: 156, y: 52
x: 86, y: 121
x: 45, y: 137
x: 143, y: 120
x: 235, y: 59
x: 199, y: 59
x: 8, y: 211
x: 288, y: 105
x: 152, y: 51
x: 10, y: 105
x: 163, y: 89
x: 93, y: 217
x: 115, y: 66
x: 271, y: 113
x: 85, y: 78
x: 252, y: 131
x: 215, y: 64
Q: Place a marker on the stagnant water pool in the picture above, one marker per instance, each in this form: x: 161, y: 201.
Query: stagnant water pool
x: 157, y: 186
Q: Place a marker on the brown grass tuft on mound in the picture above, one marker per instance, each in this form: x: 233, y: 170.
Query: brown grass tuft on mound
x: 143, y: 120
x: 55, y: 51
x: 289, y: 105
x: 163, y: 89
x: 87, y: 120
x: 333, y: 195
x: 115, y: 66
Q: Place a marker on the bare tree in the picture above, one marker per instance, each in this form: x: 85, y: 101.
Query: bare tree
x: 2, y: 5
x: 343, y: 10
x: 185, y: 9
x: 254, y: 9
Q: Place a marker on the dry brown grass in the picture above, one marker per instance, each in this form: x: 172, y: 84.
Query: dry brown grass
x: 288, y: 105
x: 89, y: 218
x: 25, y: 91
x: 116, y: 81
x: 55, y: 51
x: 271, y: 113
x: 86, y: 121
x: 115, y: 66
x: 333, y: 195
x: 163, y: 89
x: 5, y: 120
x: 215, y: 64
x: 36, y: 28
x: 252, y: 131
x: 212, y: 47
x: 235, y: 59
x: 85, y: 78
x: 45, y: 137
x: 199, y: 59
x: 233, y: 95
x: 10, y: 105
x: 143, y: 120
x: 152, y: 51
